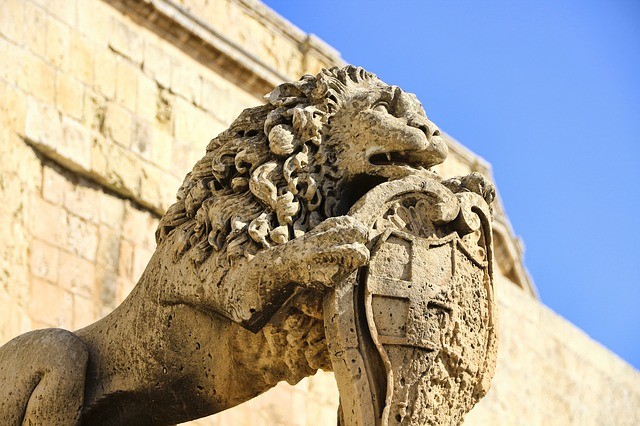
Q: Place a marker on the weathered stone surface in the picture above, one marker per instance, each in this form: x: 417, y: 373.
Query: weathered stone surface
x: 230, y: 303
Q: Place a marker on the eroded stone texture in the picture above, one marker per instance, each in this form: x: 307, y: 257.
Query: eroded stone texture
x: 231, y: 302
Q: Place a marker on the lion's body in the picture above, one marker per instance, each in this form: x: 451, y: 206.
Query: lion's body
x: 230, y: 303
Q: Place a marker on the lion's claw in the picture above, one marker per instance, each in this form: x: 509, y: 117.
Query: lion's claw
x: 332, y: 250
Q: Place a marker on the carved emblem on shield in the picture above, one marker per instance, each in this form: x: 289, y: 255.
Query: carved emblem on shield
x: 412, y: 335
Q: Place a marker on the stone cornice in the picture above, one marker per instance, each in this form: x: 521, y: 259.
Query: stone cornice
x: 202, y: 42
x: 279, y: 25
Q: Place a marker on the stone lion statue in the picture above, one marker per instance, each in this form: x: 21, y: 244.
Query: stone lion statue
x: 230, y: 304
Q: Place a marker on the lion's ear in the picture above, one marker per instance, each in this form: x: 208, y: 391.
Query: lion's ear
x: 284, y: 95
x: 288, y: 94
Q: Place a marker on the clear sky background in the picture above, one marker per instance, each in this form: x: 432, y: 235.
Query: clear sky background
x: 548, y: 91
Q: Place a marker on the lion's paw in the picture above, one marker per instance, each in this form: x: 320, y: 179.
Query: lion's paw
x: 333, y: 250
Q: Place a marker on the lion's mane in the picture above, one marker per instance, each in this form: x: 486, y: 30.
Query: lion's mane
x: 269, y: 177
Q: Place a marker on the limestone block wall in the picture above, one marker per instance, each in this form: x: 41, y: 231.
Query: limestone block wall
x: 265, y: 35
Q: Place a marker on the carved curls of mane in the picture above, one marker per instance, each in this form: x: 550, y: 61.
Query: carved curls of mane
x: 268, y: 178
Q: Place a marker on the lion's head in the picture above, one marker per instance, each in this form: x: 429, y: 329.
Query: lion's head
x: 283, y: 167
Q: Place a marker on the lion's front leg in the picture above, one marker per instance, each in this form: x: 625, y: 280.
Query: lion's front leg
x: 42, y: 375
x: 320, y: 259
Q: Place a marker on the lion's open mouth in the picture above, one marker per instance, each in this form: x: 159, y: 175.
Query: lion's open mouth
x: 398, y: 158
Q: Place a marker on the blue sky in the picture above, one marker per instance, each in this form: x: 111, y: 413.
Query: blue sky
x: 549, y: 93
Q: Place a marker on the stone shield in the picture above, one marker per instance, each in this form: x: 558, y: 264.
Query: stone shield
x: 412, y: 335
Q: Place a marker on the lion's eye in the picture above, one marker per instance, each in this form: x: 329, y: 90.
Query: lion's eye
x: 381, y: 108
